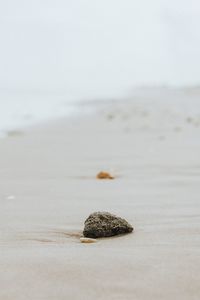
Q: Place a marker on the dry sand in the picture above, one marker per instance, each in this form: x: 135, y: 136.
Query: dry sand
x: 48, y: 188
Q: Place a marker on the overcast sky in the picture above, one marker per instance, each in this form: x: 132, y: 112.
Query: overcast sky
x: 92, y: 47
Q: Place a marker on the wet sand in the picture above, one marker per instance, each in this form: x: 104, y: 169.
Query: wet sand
x: 48, y: 187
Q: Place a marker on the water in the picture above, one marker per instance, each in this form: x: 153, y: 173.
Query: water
x: 20, y: 109
x: 58, y: 52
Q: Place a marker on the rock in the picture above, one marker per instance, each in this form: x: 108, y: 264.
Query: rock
x: 104, y: 224
x: 87, y: 240
x: 104, y: 175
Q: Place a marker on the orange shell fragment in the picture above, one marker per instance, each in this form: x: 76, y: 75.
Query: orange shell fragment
x: 104, y: 175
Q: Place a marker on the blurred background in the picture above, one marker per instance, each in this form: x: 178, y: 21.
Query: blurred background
x: 56, y: 52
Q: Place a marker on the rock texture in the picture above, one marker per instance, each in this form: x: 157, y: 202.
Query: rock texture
x: 104, y: 224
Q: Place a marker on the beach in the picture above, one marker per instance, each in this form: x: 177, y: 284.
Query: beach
x: 48, y: 187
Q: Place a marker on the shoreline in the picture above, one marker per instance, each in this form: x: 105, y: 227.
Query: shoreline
x: 21, y: 117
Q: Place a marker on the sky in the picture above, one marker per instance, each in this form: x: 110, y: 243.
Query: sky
x: 93, y: 48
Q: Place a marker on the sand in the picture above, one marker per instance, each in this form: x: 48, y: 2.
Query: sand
x: 48, y: 187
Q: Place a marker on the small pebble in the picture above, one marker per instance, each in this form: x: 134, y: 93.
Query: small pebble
x: 110, y: 116
x: 87, y: 240
x: 104, y: 175
x: 13, y: 133
x: 189, y: 119
x: 177, y: 128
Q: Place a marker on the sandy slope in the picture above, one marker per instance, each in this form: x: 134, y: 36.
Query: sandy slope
x: 48, y: 188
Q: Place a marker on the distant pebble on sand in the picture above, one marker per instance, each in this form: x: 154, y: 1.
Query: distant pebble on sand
x: 177, y: 129
x: 104, y: 175
x: 189, y: 120
x: 14, y: 133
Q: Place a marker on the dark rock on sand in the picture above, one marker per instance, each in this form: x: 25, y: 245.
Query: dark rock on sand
x: 104, y: 224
